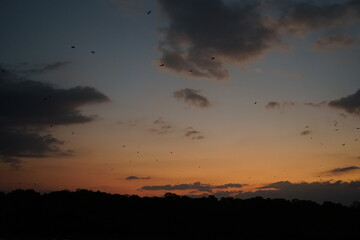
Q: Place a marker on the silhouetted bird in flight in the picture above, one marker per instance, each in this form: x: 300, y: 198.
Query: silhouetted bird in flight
x: 161, y: 65
x: 72, y: 46
x: 72, y: 133
x: 343, y: 144
x: 213, y: 58
x: 255, y: 102
x: 92, y: 51
x: 148, y: 12
x: 123, y: 146
x: 190, y: 70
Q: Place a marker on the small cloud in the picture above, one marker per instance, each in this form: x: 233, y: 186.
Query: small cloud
x: 192, y: 97
x: 137, y: 178
x: 160, y: 120
x: 278, y: 105
x: 320, y: 104
x: 272, y: 105
x: 193, y: 134
x: 306, y: 132
x: 160, y: 126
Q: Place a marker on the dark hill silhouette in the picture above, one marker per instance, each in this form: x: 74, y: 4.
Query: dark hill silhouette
x: 84, y: 214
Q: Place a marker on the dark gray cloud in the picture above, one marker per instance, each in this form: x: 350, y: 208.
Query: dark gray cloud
x: 136, y: 178
x: 306, y: 132
x: 350, y: 104
x: 198, y: 186
x: 193, y: 134
x: 336, y: 171
x: 192, y: 97
x: 45, y: 68
x: 338, y: 192
x: 29, y: 108
x: 278, y: 105
x: 199, y: 40
x: 229, y: 32
x: 331, y: 41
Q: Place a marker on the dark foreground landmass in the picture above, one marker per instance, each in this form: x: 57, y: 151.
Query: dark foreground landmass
x: 83, y: 214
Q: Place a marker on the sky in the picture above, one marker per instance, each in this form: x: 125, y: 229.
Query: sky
x: 197, y: 97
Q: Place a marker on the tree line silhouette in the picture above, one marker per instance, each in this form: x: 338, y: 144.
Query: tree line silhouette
x: 85, y: 214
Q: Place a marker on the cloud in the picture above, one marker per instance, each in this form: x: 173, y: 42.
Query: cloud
x: 337, y: 171
x: 218, y: 194
x: 340, y: 41
x: 302, y: 17
x: 198, y: 186
x: 193, y: 134
x: 306, y: 132
x: 160, y: 126
x: 229, y: 32
x: 320, y: 104
x: 278, y: 105
x: 350, y: 104
x: 28, y: 108
x: 338, y: 192
x: 46, y: 68
x: 136, y: 178
x: 199, y: 41
x: 131, y: 123
x: 192, y: 97
x: 160, y: 121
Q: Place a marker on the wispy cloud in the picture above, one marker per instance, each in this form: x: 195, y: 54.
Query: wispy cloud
x: 159, y: 126
x: 337, y: 171
x: 193, y: 134
x: 332, y: 41
x: 45, y: 68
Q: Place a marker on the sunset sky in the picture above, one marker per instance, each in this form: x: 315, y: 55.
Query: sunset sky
x: 197, y: 97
